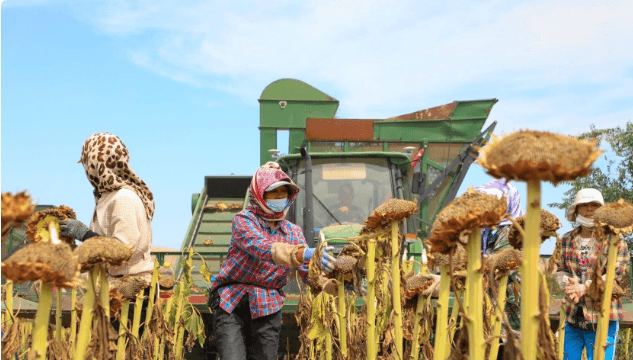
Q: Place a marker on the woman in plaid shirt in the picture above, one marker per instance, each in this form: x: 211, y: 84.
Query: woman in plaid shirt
x: 574, y: 277
x: 246, y: 296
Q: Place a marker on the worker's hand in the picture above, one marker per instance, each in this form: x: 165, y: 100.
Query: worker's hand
x: 73, y: 228
x: 327, y: 260
x: 574, y: 290
x: 434, y: 289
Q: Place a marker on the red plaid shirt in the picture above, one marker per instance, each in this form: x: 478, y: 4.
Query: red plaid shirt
x: 249, y: 266
x: 570, y: 265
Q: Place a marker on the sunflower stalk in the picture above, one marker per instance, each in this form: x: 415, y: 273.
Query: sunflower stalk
x: 8, y: 315
x: 342, y: 311
x: 453, y: 321
x: 123, y: 326
x: 474, y: 310
x: 371, y: 300
x: 530, y: 273
x: 395, y: 276
x: 85, y: 325
x: 496, y: 326
x: 40, y: 331
x: 161, y: 348
x: 604, y: 315
x: 152, y: 293
x: 441, y: 327
x: 179, y: 342
x: 138, y: 306
x: 561, y: 333
x: 415, y: 346
x: 104, y: 290
x: 58, y: 315
x: 73, y: 319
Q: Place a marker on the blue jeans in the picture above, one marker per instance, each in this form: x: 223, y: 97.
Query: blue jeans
x: 576, y: 340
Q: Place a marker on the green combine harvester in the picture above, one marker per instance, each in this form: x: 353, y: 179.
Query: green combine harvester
x: 421, y: 156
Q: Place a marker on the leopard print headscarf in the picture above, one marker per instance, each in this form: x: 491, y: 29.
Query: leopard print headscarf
x: 105, y: 159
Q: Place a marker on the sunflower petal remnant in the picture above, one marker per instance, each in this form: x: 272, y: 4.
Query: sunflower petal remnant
x: 544, y: 156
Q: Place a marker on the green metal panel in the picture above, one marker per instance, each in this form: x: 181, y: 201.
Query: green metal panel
x: 294, y: 115
x: 292, y: 89
x: 428, y: 130
x: 267, y: 141
x: 296, y: 139
x: 476, y: 109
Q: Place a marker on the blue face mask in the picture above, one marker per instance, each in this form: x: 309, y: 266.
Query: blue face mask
x: 277, y: 205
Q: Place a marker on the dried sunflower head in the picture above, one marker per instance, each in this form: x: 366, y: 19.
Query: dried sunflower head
x: 391, y: 210
x: 102, y: 249
x: 62, y: 213
x: 128, y: 286
x: 505, y: 260
x: 48, y: 262
x: 416, y: 285
x: 616, y: 217
x: 459, y: 258
x: 470, y: 210
x: 549, y: 225
x: 538, y: 155
x: 16, y: 209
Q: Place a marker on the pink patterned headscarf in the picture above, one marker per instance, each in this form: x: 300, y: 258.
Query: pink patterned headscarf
x: 268, y: 174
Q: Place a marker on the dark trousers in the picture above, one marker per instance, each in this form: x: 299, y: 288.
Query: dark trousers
x: 239, y: 337
x: 141, y: 329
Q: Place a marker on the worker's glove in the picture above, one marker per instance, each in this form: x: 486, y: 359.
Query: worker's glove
x: 73, y: 228
x: 307, y: 254
x: 574, y: 290
x: 327, y: 260
x: 434, y: 289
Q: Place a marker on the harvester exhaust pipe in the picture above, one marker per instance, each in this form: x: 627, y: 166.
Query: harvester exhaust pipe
x: 308, y: 219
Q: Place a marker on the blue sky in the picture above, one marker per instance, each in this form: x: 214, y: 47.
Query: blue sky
x: 179, y: 81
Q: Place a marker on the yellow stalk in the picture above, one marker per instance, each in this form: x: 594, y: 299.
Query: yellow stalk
x: 498, y: 319
x: 342, y: 310
x: 8, y: 315
x: 441, y: 327
x: 395, y: 277
x: 371, y: 298
x: 152, y: 292
x: 599, y: 349
x: 561, y: 333
x: 161, y: 348
x: 104, y: 291
x: 328, y: 346
x: 58, y: 315
x: 179, y: 340
x: 474, y: 311
x: 85, y: 325
x: 453, y: 322
x: 120, y: 348
x: 138, y: 305
x: 529, y: 272
x: 627, y: 339
x: 40, y: 332
x: 415, y: 350
x: 73, y: 320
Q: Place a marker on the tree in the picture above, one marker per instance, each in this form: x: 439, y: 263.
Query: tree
x: 617, y: 180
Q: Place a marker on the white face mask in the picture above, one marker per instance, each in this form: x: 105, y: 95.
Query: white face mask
x: 584, y: 222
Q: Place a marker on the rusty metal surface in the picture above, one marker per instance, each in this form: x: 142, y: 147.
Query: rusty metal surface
x: 318, y: 129
x: 434, y: 113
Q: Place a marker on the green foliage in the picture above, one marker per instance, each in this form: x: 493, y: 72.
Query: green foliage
x: 615, y: 181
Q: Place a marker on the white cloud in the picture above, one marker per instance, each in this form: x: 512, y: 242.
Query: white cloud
x: 549, y: 63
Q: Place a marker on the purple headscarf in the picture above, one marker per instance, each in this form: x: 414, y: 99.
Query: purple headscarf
x: 501, y: 188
